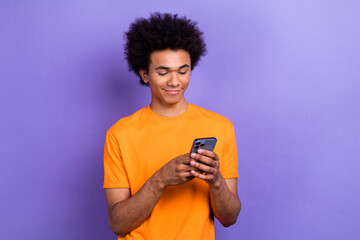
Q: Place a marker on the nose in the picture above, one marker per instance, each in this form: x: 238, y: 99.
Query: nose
x: 174, y: 79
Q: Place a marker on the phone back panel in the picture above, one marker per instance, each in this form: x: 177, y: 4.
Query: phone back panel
x: 203, y: 143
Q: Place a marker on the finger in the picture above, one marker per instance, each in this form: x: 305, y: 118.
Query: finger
x: 208, y: 153
x: 182, y: 168
x: 183, y: 159
x: 191, y: 168
x: 189, y: 175
x: 207, y: 160
x: 203, y: 167
x: 204, y: 177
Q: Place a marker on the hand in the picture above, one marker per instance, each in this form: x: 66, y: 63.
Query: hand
x: 177, y: 171
x: 207, y: 162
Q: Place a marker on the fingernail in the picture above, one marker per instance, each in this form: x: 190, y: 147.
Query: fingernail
x: 193, y: 155
x: 200, y: 151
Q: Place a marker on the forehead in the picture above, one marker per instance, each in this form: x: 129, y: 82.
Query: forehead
x: 169, y: 58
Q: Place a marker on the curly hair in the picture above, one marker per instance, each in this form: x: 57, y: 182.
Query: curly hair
x: 160, y: 32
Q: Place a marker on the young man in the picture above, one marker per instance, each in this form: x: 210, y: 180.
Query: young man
x: 154, y: 188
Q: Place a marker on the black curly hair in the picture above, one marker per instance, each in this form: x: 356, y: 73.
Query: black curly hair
x: 160, y: 32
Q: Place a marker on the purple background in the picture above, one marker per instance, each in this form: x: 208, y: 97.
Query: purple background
x: 287, y: 73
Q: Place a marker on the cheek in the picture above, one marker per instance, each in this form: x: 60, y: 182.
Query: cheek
x: 186, y: 82
x: 153, y: 82
x: 186, y: 85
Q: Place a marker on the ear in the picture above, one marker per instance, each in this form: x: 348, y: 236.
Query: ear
x: 144, y: 75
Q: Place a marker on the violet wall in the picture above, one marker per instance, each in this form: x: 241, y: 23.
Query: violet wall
x: 286, y: 72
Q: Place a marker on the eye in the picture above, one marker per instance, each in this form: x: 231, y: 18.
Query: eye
x: 162, y: 73
x: 183, y: 73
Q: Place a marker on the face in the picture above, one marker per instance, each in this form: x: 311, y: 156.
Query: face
x: 168, y: 76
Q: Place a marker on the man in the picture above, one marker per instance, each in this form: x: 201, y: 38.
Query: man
x: 154, y: 188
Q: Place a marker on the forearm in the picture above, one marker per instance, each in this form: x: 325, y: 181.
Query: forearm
x: 130, y: 213
x: 225, y: 205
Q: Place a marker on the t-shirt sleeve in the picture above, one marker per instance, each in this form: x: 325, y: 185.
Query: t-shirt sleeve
x: 115, y: 175
x: 229, y: 158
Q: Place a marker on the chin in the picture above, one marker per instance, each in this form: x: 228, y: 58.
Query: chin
x: 173, y: 100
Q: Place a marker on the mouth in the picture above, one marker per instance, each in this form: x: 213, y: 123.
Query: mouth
x: 172, y: 91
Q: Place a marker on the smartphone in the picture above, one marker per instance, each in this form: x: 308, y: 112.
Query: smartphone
x: 203, y: 143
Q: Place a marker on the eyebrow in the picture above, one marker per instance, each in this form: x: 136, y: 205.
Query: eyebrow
x: 167, y: 68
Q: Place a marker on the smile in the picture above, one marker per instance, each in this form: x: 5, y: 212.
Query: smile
x: 172, y: 92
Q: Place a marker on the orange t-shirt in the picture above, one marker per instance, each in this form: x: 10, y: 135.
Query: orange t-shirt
x: 140, y: 144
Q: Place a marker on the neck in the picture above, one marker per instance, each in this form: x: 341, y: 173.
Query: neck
x: 171, y: 110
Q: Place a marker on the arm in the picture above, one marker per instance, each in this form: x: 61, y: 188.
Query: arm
x: 224, y: 201
x: 223, y: 193
x: 128, y: 212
